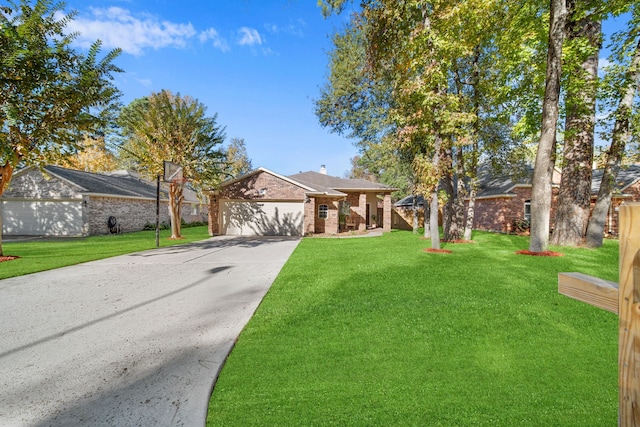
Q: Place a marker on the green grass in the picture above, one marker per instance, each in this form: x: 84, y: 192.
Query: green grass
x: 376, y: 332
x: 40, y: 255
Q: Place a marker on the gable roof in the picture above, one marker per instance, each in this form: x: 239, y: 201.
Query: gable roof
x: 490, y: 184
x: 315, y: 183
x: 265, y: 170
x: 117, y: 184
x: 332, y: 185
x: 94, y: 183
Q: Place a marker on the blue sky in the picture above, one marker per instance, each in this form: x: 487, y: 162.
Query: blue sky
x: 258, y: 64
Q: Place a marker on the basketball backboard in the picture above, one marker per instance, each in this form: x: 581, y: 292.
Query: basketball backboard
x: 172, y: 172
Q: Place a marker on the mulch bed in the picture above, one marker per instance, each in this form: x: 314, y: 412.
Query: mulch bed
x: 438, y: 251
x: 8, y: 258
x: 543, y: 253
x: 457, y: 241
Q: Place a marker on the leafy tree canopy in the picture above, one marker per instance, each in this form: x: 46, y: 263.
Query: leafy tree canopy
x: 50, y: 92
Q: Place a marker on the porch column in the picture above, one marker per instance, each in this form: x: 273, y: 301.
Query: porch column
x: 214, y: 225
x: 386, y: 216
x: 362, y: 203
x: 309, y: 215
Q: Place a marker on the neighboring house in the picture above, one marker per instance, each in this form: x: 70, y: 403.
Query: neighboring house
x: 263, y: 202
x: 502, y: 201
x: 66, y: 202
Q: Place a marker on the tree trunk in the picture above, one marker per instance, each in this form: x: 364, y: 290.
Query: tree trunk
x: 472, y: 172
x: 6, y: 172
x: 468, y: 226
x: 434, y: 208
x: 433, y: 221
x: 175, y: 204
x: 452, y: 217
x: 414, y: 205
x: 574, y: 197
x: 545, y: 157
x: 427, y: 219
x: 619, y: 138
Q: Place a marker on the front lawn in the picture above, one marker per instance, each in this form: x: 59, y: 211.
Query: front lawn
x: 40, y: 255
x: 376, y: 332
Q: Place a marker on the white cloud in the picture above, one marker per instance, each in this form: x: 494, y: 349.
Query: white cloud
x: 218, y: 41
x: 249, y: 37
x: 295, y: 28
x: 117, y: 27
x: 145, y: 82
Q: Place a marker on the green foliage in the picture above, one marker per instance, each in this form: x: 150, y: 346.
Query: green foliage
x: 50, y: 92
x: 175, y: 128
x: 237, y: 160
x: 398, y: 337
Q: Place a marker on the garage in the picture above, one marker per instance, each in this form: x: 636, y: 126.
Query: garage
x: 261, y: 217
x: 37, y: 218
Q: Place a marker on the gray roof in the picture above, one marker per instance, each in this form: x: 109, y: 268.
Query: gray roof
x: 501, y: 184
x: 626, y: 176
x: 492, y: 184
x: 408, y: 201
x: 333, y: 185
x: 95, y: 183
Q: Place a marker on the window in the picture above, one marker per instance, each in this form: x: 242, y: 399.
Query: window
x: 323, y: 211
x: 195, y: 209
x: 527, y: 210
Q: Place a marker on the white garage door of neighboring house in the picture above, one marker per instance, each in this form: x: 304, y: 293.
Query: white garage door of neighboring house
x: 42, y: 218
x: 249, y: 218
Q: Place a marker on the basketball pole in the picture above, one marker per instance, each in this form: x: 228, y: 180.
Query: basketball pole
x: 158, y: 211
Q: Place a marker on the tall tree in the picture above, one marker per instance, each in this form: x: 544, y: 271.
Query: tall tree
x: 450, y: 82
x: 93, y: 156
x: 167, y: 127
x: 545, y: 157
x: 624, y: 78
x: 237, y: 159
x: 51, y: 94
x: 582, y: 48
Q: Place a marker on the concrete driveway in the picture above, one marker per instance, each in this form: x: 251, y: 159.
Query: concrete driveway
x: 134, y: 340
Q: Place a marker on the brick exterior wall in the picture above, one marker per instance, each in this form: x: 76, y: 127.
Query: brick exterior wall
x: 499, y: 213
x: 250, y: 187
x: 310, y: 215
x: 265, y: 186
x: 358, y: 210
x: 331, y: 223
x: 259, y: 186
x: 632, y: 194
x: 132, y: 214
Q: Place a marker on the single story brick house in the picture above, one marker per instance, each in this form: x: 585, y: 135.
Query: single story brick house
x: 263, y: 202
x: 58, y: 201
x: 502, y: 200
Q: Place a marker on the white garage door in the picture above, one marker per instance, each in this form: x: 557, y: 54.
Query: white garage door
x: 248, y: 218
x: 42, y: 218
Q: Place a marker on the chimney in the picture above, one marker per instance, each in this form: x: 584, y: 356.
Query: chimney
x: 323, y: 170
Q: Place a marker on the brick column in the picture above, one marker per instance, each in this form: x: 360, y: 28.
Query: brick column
x: 386, y: 216
x: 309, y: 215
x: 214, y: 225
x: 362, y: 202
